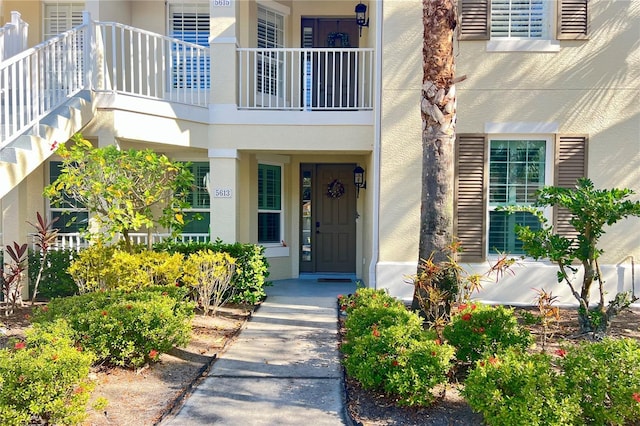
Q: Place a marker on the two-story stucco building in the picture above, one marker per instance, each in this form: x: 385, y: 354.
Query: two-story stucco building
x: 277, y: 103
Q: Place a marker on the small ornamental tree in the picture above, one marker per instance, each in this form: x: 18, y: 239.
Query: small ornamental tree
x: 126, y: 190
x: 591, y: 210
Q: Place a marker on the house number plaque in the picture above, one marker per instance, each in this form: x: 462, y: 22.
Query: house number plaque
x: 222, y: 193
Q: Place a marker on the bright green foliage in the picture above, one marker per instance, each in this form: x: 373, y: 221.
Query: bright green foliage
x: 387, y: 349
x: 127, y: 190
x: 252, y: 267
x: 518, y: 388
x: 479, y: 330
x: 55, y: 280
x: 44, y: 379
x: 418, y: 369
x: 101, y: 267
x: 210, y: 274
x: 604, y: 376
x: 126, y: 329
x: 591, y: 210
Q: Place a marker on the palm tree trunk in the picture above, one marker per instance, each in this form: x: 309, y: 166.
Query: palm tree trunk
x: 438, y: 108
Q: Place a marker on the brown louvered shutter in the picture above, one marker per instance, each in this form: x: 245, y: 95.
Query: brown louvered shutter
x: 573, y: 19
x: 571, y: 164
x: 474, y: 20
x: 470, y: 204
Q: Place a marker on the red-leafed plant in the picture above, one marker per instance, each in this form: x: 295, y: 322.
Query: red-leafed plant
x: 45, y: 238
x: 12, y: 276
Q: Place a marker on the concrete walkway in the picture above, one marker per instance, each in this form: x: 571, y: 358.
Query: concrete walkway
x: 283, y: 369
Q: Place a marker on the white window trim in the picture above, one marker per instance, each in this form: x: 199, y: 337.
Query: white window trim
x: 548, y: 176
x: 276, y: 7
x: 281, y: 211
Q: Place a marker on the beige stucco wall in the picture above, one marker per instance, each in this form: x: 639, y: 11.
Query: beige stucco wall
x: 589, y: 87
x: 401, y: 147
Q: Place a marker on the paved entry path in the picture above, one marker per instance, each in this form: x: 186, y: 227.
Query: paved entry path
x: 284, y: 367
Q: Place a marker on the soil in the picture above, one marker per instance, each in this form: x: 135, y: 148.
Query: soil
x: 143, y: 397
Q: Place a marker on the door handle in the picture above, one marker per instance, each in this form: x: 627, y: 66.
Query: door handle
x: 317, y: 227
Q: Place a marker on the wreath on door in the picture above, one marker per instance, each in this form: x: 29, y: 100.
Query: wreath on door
x: 335, y: 189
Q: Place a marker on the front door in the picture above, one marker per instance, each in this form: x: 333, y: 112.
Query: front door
x: 328, y: 218
x: 332, y: 74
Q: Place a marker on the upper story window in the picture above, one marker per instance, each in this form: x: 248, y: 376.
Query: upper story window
x: 270, y: 28
x: 60, y: 17
x: 534, y: 25
x: 190, y: 22
x: 520, y: 19
x: 270, y: 212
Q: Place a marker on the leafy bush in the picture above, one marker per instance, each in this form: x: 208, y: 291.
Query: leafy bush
x: 126, y: 329
x: 108, y: 268
x: 252, y: 267
x: 386, y: 348
x: 44, y: 380
x: 518, y: 388
x: 210, y: 274
x: 479, y: 330
x: 55, y: 281
x: 605, y: 376
x: 419, y: 368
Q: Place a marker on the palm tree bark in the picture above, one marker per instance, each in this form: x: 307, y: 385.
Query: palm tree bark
x: 438, y: 110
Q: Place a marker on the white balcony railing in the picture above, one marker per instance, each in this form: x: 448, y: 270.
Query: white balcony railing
x: 152, y: 65
x: 305, y: 79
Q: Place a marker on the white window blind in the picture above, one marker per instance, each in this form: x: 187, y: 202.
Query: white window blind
x: 270, y: 28
x: 191, y: 23
x: 61, y: 17
x: 519, y: 19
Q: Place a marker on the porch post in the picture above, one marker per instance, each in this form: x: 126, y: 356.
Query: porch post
x: 223, y: 44
x: 14, y: 228
x: 223, y: 192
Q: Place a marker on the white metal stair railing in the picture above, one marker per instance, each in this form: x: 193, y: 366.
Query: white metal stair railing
x: 324, y: 79
x: 151, y: 65
x: 36, y: 81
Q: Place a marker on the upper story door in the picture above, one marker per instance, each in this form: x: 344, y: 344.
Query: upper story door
x: 331, y: 74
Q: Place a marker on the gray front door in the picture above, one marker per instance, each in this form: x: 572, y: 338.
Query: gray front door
x: 328, y: 218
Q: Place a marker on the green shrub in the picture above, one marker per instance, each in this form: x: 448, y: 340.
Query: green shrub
x: 44, y: 379
x: 210, y: 274
x: 252, y: 267
x: 518, y: 388
x: 417, y: 370
x: 126, y: 329
x: 479, y: 330
x: 107, y: 268
x: 56, y: 281
x: 386, y: 348
x: 605, y: 376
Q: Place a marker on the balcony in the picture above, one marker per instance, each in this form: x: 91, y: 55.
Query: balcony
x: 305, y: 79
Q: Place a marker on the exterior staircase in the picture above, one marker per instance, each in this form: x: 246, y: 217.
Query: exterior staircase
x: 28, y: 151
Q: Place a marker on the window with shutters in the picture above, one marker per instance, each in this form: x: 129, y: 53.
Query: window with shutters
x: 60, y: 17
x: 72, y: 218
x: 270, y: 214
x: 494, y: 171
x: 517, y: 169
x: 269, y: 64
x: 189, y: 22
x: 199, y: 214
x: 523, y: 24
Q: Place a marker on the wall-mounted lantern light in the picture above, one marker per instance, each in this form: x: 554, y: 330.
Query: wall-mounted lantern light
x: 358, y: 179
x: 361, y: 16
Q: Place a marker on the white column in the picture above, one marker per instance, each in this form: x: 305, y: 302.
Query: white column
x: 223, y: 184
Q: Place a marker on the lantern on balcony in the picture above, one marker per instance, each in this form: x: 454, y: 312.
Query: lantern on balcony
x: 361, y: 16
